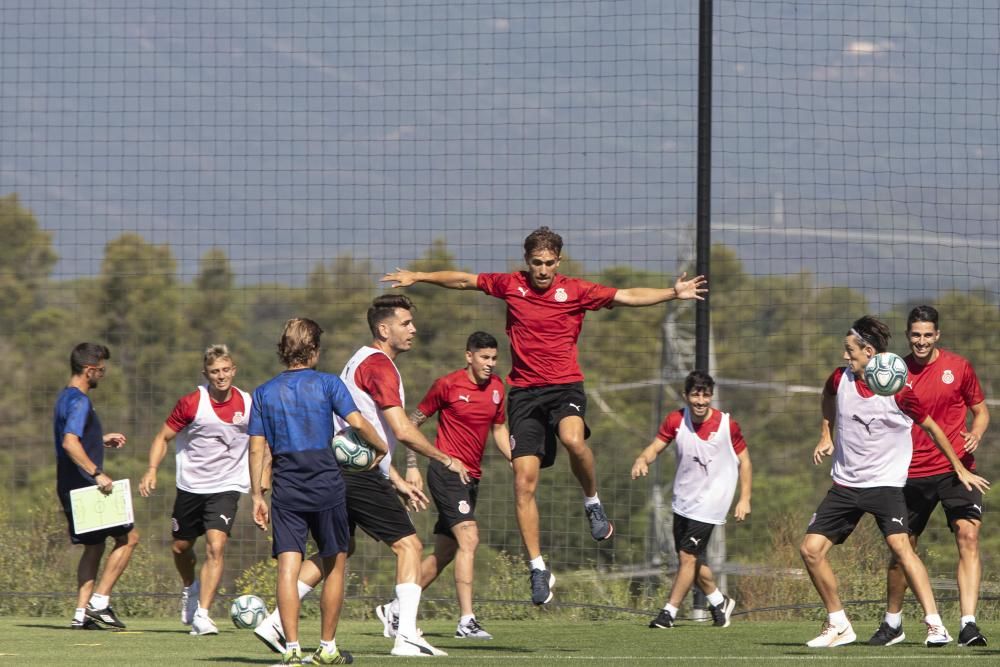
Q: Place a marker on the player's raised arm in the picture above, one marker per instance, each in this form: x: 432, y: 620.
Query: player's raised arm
x: 695, y: 288
x: 449, y: 279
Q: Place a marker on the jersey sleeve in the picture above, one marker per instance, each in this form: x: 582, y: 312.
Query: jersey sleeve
x: 972, y: 391
x: 494, y: 284
x: 594, y: 296
x: 669, y: 427
x: 184, y: 412
x: 76, y: 416
x: 910, y: 404
x: 256, y: 426
x: 377, y: 377
x: 433, y: 400
x: 736, y: 435
x: 830, y: 386
x: 339, y: 395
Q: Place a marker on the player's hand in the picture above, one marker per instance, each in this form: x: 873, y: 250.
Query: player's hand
x: 971, y: 480
x: 458, y: 468
x: 742, y: 510
x: 971, y: 441
x: 640, y: 468
x: 412, y: 497
x: 114, y: 440
x: 414, y: 477
x: 378, y: 459
x: 400, y: 278
x: 104, y: 483
x: 148, y: 483
x: 824, y: 448
x: 690, y: 289
x: 261, y: 513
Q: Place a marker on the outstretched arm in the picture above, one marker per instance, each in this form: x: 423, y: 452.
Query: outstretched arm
x: 449, y: 279
x: 648, y: 296
x: 642, y: 462
x: 968, y: 479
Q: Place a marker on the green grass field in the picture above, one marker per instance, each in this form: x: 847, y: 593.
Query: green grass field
x: 542, y: 642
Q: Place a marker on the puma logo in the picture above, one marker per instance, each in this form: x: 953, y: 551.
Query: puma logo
x: 225, y: 518
x: 899, y: 520
x: 703, y: 464
x: 861, y: 421
x: 910, y: 385
x: 574, y: 406
x: 978, y: 508
x: 464, y: 398
x: 695, y: 540
x: 523, y: 291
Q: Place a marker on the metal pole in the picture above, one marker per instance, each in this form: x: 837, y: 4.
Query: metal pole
x: 703, y: 241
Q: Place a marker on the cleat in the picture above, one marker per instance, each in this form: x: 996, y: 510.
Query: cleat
x: 600, y: 527
x: 105, y: 617
x: 722, y: 611
x: 414, y: 646
x: 189, y: 602
x: 203, y: 625
x: 338, y: 657
x: 832, y: 636
x: 390, y: 621
x: 85, y: 624
x: 270, y: 635
x: 662, y: 620
x: 971, y: 636
x: 293, y: 657
x: 471, y: 630
x: 542, y: 582
x: 937, y: 636
x: 886, y: 635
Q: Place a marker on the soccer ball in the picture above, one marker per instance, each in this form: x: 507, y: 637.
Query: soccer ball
x: 247, y: 612
x: 352, y: 453
x: 885, y: 373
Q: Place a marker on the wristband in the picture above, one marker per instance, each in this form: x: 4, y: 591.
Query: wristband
x: 97, y: 471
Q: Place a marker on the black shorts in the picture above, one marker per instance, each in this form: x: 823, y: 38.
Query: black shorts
x: 94, y: 536
x: 373, y: 504
x: 291, y: 528
x: 691, y: 536
x: 924, y: 493
x: 534, y: 414
x: 456, y: 502
x: 842, y: 508
x: 194, y: 513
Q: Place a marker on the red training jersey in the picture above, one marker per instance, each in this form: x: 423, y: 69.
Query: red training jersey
x: 377, y: 377
x: 705, y: 430
x: 468, y: 412
x: 187, y: 407
x: 543, y: 326
x: 947, y: 386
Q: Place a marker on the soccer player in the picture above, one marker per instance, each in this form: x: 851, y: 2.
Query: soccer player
x: 711, y: 457
x: 947, y: 384
x: 470, y: 404
x: 80, y: 443
x: 291, y: 417
x: 869, y: 438
x: 212, y: 472
x: 545, y: 312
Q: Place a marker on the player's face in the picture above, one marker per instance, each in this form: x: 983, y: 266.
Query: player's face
x: 542, y: 268
x: 482, y: 363
x: 95, y: 373
x: 857, y: 356
x: 220, y: 374
x: 399, y: 330
x: 923, y: 337
x: 700, y: 402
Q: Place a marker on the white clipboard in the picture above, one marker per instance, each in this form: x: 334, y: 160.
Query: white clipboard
x: 92, y: 510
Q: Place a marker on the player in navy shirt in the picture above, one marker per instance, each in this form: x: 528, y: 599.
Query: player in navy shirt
x: 292, y: 418
x: 80, y: 443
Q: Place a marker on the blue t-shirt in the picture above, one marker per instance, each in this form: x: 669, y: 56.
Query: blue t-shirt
x: 74, y: 413
x: 294, y: 411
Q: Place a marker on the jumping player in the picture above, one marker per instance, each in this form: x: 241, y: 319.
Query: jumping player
x: 545, y: 312
x: 711, y: 457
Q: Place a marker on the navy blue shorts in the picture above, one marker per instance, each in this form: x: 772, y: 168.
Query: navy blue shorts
x: 291, y: 528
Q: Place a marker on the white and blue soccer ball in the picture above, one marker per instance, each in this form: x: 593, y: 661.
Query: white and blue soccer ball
x: 885, y: 373
x: 247, y: 612
x: 351, y: 451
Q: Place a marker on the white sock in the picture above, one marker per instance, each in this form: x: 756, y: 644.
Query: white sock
x: 965, y: 620
x: 303, y: 589
x: 465, y: 619
x: 80, y: 614
x: 715, y: 598
x: 328, y: 646
x: 894, y: 620
x: 670, y: 609
x: 100, y: 601
x: 409, y: 601
x: 538, y: 563
x: 394, y: 607
x: 291, y: 646
x: 201, y: 612
x: 933, y: 619
x: 591, y: 500
x: 838, y: 619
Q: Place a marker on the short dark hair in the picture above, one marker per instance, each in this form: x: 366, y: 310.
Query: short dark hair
x: 871, y: 331
x: 383, y: 307
x: 923, y: 314
x: 87, y: 354
x: 543, y: 238
x: 480, y: 340
x: 698, y: 380
x: 299, y: 341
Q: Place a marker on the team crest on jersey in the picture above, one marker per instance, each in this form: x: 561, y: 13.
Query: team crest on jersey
x: 496, y: 397
x: 463, y: 507
x: 560, y: 295
x: 238, y: 418
x: 947, y: 377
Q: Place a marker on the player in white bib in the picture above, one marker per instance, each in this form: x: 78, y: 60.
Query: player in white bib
x: 712, y: 457
x: 210, y: 426
x: 869, y: 437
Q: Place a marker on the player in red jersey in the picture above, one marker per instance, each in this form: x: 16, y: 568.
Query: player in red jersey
x: 545, y: 312
x: 947, y: 384
x: 869, y: 438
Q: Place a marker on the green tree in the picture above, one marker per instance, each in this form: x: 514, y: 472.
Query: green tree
x: 212, y: 312
x: 26, y: 260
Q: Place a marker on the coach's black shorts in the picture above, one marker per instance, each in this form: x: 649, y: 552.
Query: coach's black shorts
x: 194, y: 513
x: 95, y: 536
x: 691, y: 536
x: 924, y: 493
x: 373, y: 504
x: 842, y: 508
x: 534, y: 414
x: 291, y: 528
x: 455, y: 501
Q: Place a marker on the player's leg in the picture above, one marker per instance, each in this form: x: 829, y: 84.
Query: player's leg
x: 187, y: 524
x: 184, y: 559
x: 467, y: 536
x: 964, y: 510
x: 969, y: 566
x: 526, y: 472
x: 332, y: 535
x: 86, y: 575
x: 219, y: 512
x: 289, y: 563
x: 721, y: 606
x: 99, y: 608
x: 837, y: 630
x: 433, y: 565
x: 581, y: 458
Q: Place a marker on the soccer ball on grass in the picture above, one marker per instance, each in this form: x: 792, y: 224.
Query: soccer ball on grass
x: 247, y: 612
